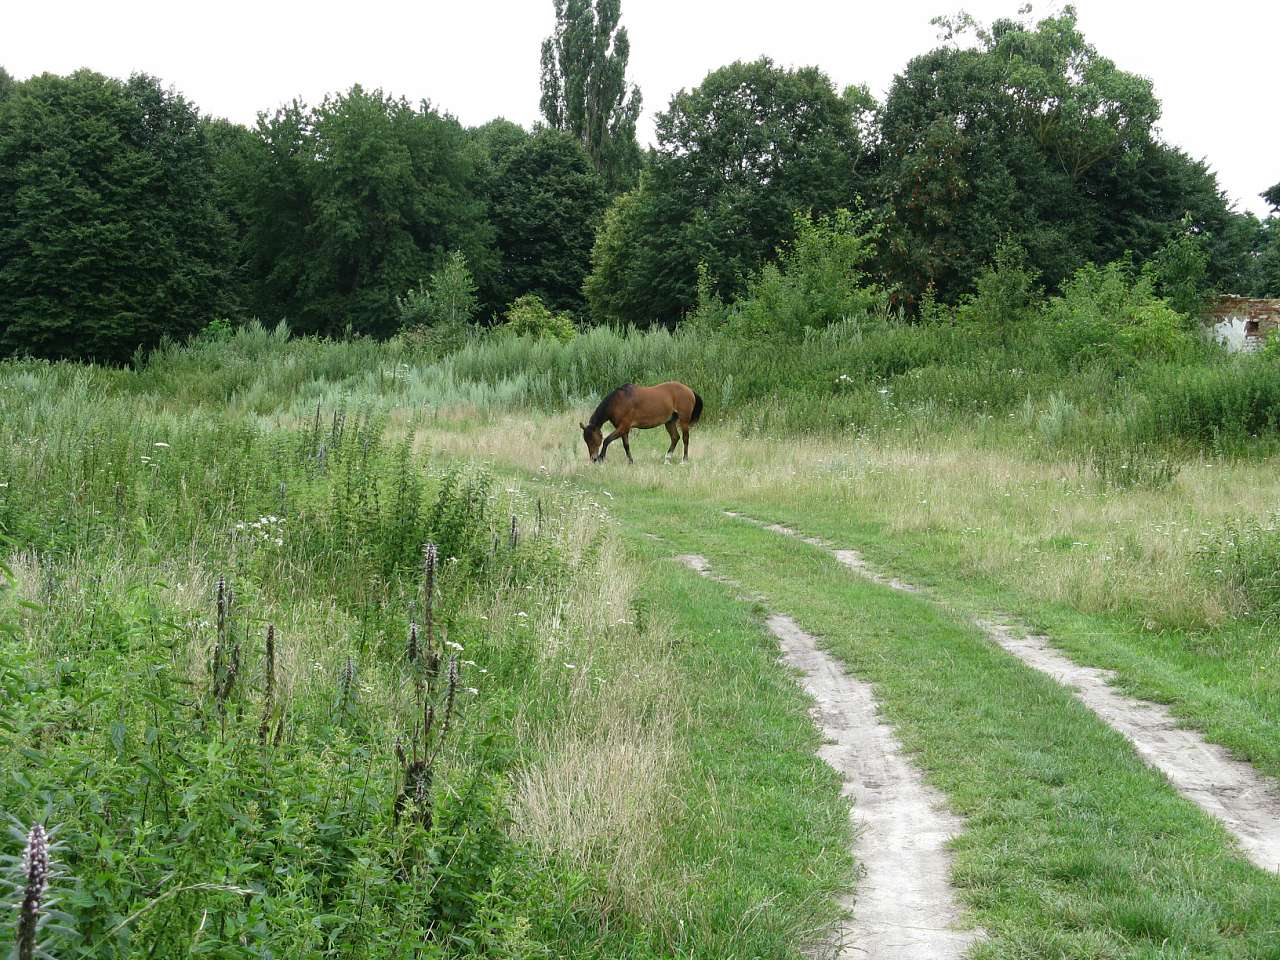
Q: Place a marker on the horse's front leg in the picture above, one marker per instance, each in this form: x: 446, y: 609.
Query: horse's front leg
x: 627, y: 447
x: 604, y: 447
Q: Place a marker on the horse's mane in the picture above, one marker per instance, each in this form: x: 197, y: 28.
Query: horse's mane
x: 602, y: 411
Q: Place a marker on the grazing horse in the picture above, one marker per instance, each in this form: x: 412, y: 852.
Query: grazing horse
x: 630, y: 406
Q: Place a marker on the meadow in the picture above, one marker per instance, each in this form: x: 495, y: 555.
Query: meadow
x: 222, y: 694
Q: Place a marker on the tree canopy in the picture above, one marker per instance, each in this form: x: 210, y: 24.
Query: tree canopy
x: 110, y: 237
x: 1272, y: 196
x: 545, y: 204
x: 125, y: 217
x: 737, y: 156
x: 1007, y: 138
x: 349, y: 204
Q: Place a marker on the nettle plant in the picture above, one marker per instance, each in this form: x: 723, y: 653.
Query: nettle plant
x: 264, y: 771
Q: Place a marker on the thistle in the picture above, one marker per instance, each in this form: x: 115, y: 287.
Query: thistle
x: 429, y: 590
x: 432, y: 667
x: 226, y: 659
x: 35, y: 867
x: 515, y: 532
x: 224, y: 602
x: 450, y: 694
x: 346, y: 685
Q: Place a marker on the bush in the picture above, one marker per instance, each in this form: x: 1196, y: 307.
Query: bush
x: 435, y: 317
x: 1106, y: 313
x: 1180, y: 271
x: 817, y: 280
x: 1222, y: 405
x: 529, y: 316
x: 1006, y: 295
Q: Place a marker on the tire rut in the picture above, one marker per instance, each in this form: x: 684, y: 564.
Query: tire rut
x: 1243, y: 800
x: 903, y: 907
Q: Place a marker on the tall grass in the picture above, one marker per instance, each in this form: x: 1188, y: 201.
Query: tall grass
x: 875, y: 375
x: 204, y: 682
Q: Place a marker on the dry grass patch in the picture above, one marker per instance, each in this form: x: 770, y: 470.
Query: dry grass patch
x: 1045, y: 527
x: 594, y: 790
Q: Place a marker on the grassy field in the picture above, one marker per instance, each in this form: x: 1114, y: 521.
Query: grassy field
x: 626, y: 770
x: 1129, y: 579
x: 212, y: 696
x: 1074, y: 847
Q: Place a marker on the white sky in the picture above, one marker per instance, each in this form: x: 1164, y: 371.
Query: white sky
x: 1214, y: 64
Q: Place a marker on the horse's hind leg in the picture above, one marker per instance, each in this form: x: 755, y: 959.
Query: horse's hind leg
x: 684, y: 429
x: 675, y: 438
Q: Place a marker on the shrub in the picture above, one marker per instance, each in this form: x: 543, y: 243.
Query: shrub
x: 435, y: 317
x: 1108, y: 313
x: 1219, y: 405
x: 1179, y: 271
x: 529, y: 316
x: 1006, y: 295
x: 448, y: 297
x: 817, y: 280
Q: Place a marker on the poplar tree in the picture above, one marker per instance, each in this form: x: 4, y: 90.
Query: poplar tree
x: 584, y: 86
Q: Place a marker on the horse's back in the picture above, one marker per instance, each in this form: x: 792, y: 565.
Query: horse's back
x: 677, y: 390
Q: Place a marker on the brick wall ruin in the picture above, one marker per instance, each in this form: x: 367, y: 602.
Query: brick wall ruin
x: 1242, y: 323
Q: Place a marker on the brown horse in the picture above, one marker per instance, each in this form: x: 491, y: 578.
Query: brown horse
x: 630, y: 406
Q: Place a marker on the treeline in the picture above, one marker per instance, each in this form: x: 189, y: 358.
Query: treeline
x: 125, y: 216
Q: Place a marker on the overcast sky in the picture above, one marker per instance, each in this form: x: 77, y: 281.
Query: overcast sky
x: 1214, y: 64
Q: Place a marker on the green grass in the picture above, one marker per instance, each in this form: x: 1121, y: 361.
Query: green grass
x: 185, y: 828
x: 756, y: 848
x: 683, y: 812
x: 1073, y: 848
x: 1223, y: 681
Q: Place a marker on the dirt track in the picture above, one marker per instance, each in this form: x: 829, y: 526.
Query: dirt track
x: 903, y: 907
x: 1247, y: 803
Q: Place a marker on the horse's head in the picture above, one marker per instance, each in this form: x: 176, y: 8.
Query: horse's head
x: 591, y: 436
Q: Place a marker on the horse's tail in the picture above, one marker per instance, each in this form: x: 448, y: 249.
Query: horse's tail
x: 697, y: 408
